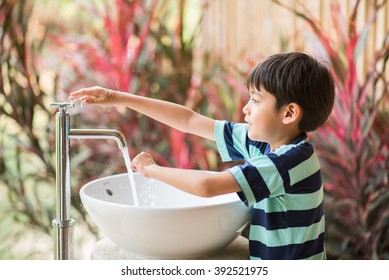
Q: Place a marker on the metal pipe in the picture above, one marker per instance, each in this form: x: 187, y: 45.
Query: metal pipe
x: 63, y: 224
x: 99, y: 134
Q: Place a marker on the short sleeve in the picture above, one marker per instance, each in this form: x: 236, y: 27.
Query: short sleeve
x: 220, y: 142
x: 258, y: 178
x: 233, y: 143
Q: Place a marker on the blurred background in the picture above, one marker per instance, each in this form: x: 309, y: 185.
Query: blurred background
x: 197, y: 53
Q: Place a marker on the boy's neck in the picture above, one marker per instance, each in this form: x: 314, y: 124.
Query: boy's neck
x: 285, y: 139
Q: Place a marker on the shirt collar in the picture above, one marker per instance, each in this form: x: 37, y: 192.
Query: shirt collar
x: 302, y: 137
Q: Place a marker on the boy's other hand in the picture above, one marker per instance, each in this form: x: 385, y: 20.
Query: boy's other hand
x: 142, y: 162
x: 94, y: 95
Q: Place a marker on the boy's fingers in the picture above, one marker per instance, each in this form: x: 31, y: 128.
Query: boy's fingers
x: 86, y: 100
x: 82, y: 92
x: 77, y: 93
x: 133, y: 167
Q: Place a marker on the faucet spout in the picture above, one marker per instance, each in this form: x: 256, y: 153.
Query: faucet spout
x: 99, y: 134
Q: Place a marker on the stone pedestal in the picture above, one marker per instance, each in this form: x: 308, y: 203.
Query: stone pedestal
x: 105, y: 249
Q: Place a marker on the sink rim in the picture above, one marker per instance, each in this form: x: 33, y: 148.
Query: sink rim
x: 232, y: 201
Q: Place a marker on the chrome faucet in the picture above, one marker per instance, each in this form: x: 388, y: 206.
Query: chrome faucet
x: 63, y: 224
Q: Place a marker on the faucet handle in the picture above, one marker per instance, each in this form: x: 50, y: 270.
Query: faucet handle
x: 62, y: 106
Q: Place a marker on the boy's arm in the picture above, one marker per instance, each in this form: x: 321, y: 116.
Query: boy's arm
x: 197, y: 182
x: 171, y: 114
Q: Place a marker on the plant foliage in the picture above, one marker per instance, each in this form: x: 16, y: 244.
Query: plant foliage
x: 152, y: 58
x: 126, y: 45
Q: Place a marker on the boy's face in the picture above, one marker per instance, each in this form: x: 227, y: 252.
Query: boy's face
x: 264, y: 120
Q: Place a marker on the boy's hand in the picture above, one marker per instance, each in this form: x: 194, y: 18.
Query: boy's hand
x: 142, y: 163
x: 94, y: 95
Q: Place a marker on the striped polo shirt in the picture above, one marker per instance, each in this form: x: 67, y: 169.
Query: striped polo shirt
x: 284, y: 188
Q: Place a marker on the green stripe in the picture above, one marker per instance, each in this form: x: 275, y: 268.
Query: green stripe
x: 270, y: 175
x: 291, y: 202
x: 283, y: 149
x: 304, y: 169
x: 304, y: 201
x: 239, y: 139
x: 220, y: 141
x: 254, y: 151
x: 282, y: 237
x: 273, y: 204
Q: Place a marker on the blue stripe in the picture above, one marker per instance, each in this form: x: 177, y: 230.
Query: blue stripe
x: 270, y: 221
x: 291, y: 218
x: 234, y: 154
x: 305, y: 218
x: 288, y: 252
x: 297, y: 155
x: 291, y: 159
x: 255, y: 180
x: 310, y: 184
x: 282, y: 169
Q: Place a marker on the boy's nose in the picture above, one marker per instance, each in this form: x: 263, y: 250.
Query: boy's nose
x: 246, y: 109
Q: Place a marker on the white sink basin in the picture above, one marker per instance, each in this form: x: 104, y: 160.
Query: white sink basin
x: 169, y: 223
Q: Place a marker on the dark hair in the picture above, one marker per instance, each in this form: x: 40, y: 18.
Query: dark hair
x: 299, y: 78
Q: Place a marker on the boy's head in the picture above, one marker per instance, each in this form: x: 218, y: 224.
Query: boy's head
x: 296, y: 77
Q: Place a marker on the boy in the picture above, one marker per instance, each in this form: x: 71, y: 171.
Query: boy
x: 290, y: 94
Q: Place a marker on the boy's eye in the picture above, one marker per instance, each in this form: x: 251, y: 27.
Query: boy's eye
x: 254, y: 100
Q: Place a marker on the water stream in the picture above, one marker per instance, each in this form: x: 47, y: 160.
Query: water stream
x: 127, y: 160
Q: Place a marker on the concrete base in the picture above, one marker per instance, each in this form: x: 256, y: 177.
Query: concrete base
x: 105, y: 249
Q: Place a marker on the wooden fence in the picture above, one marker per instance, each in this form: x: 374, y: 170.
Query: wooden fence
x: 235, y: 31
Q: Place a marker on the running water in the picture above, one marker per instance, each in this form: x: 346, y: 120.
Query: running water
x: 127, y: 160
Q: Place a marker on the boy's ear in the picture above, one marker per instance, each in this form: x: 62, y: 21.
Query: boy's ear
x: 292, y: 113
